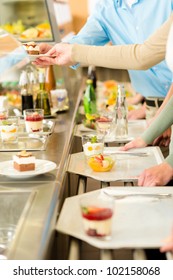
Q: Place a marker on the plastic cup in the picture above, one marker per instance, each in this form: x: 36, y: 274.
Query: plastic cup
x: 97, y: 213
x: 34, y: 120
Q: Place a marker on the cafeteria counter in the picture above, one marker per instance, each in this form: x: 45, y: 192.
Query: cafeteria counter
x: 36, y: 218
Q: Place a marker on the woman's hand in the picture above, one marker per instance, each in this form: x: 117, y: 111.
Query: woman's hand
x: 60, y: 54
x: 158, y: 175
x: 136, y: 143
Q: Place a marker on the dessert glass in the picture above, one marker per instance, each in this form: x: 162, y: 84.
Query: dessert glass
x: 92, y: 145
x: 34, y: 120
x: 9, y: 129
x: 105, y: 124
x: 97, y: 214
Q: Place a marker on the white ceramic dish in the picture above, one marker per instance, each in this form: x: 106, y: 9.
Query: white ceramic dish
x: 42, y: 166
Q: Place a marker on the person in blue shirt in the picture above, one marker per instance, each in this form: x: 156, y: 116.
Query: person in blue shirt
x: 130, y: 22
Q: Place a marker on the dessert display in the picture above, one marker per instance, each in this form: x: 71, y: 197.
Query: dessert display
x: 9, y: 129
x: 34, y: 120
x: 97, y: 221
x: 23, y: 32
x: 31, y: 48
x: 100, y: 163
x: 24, y: 161
x: 92, y: 145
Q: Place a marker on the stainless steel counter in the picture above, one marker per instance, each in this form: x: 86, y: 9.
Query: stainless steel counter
x: 36, y: 226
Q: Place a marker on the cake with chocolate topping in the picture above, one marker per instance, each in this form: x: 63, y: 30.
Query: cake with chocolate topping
x: 24, y: 161
x: 31, y: 48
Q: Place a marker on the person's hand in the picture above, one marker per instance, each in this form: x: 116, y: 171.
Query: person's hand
x: 164, y: 139
x: 60, y: 54
x: 136, y: 143
x: 168, y: 244
x: 158, y: 175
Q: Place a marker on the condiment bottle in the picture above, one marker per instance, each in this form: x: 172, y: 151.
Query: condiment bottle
x: 50, y: 82
x: 26, y: 92
x: 42, y: 99
x: 92, y: 75
x: 90, y: 98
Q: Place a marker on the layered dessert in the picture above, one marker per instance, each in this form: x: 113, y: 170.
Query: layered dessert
x: 100, y: 163
x: 34, y: 122
x: 9, y: 130
x: 24, y: 161
x: 97, y: 221
x: 94, y: 146
x: 31, y: 48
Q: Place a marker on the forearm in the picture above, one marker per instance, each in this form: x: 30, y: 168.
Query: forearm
x: 169, y: 160
x: 137, y: 56
x: 160, y: 124
x: 167, y: 98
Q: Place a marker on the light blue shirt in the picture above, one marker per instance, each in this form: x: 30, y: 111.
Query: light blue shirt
x: 113, y: 20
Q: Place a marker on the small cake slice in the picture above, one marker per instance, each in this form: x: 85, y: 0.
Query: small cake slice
x: 31, y: 48
x: 24, y: 161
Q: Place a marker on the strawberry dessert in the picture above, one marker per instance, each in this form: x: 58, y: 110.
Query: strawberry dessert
x: 97, y: 221
x: 33, y: 121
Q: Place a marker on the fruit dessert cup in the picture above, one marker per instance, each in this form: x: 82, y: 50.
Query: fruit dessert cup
x: 92, y: 145
x: 97, y: 216
x: 34, y: 120
x: 101, y: 163
x: 9, y: 129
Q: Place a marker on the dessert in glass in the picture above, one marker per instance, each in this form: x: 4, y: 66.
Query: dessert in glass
x: 105, y: 123
x: 9, y: 129
x: 92, y: 144
x: 97, y: 214
x: 34, y: 120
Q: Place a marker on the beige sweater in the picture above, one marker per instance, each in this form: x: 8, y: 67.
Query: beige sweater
x: 136, y: 56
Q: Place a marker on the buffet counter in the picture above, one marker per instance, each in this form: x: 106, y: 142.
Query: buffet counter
x: 35, y: 226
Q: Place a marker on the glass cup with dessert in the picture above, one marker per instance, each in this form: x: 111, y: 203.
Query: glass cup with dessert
x: 93, y: 144
x: 9, y: 129
x: 105, y: 123
x: 34, y: 120
x: 97, y: 215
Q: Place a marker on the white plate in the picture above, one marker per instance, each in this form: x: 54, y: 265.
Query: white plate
x: 41, y: 167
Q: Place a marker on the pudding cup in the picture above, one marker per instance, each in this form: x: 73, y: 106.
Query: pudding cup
x: 97, y: 214
x: 34, y: 120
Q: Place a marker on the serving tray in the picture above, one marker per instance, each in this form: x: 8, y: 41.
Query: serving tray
x: 128, y: 165
x: 48, y: 127
x: 137, y: 223
x: 27, y: 143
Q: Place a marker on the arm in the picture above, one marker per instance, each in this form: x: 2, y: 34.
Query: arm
x: 138, y: 56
